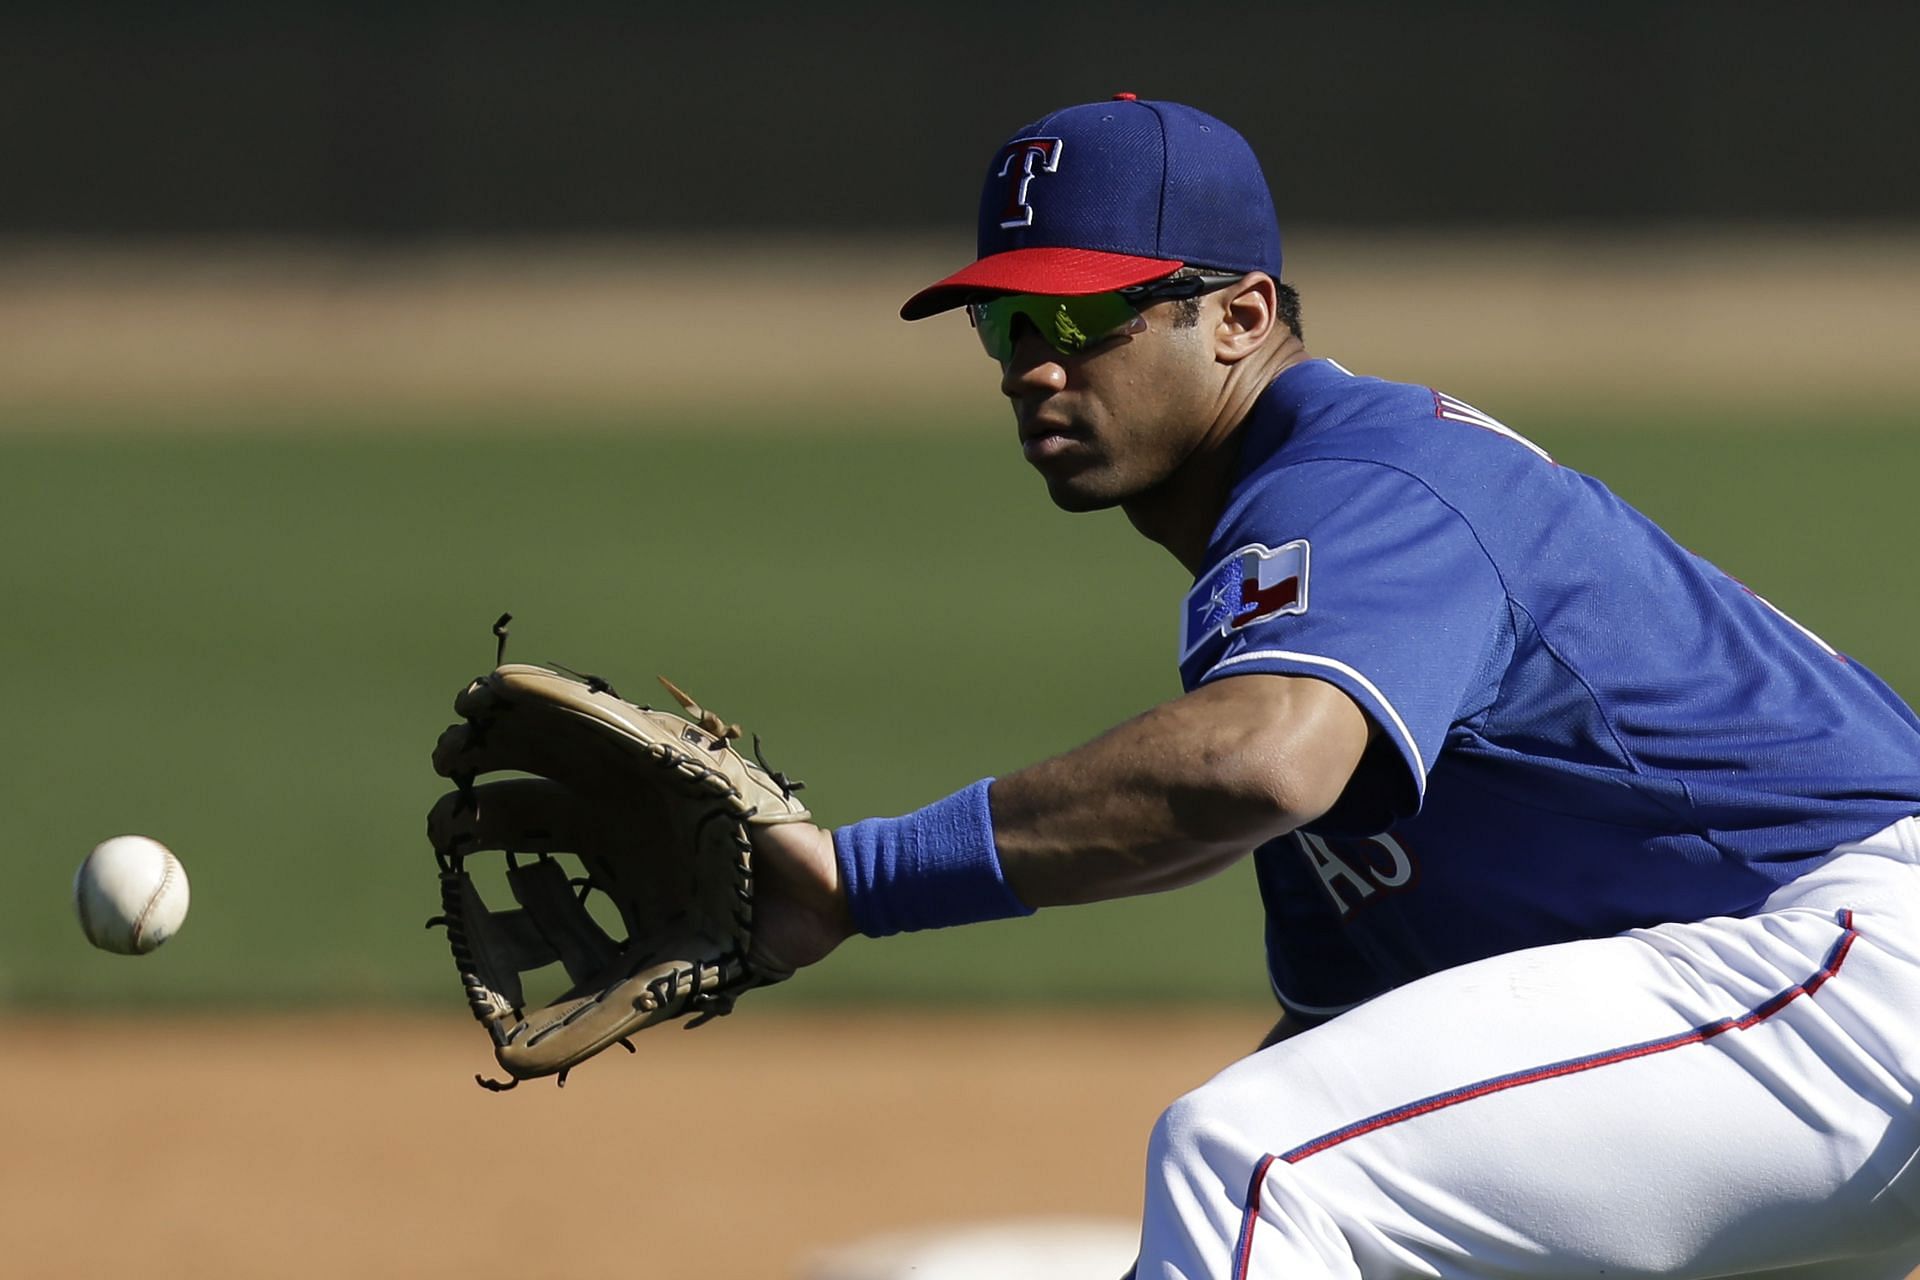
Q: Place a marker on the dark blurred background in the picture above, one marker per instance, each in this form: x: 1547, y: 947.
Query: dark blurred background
x: 429, y: 119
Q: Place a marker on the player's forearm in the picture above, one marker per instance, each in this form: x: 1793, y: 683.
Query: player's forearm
x: 1178, y: 793
x: 1168, y: 797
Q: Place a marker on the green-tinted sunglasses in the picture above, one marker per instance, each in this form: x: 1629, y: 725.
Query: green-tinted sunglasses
x: 1072, y: 324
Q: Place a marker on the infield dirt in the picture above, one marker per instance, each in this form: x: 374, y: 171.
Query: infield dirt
x: 359, y: 1146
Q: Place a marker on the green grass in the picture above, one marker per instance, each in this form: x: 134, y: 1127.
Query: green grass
x: 246, y: 646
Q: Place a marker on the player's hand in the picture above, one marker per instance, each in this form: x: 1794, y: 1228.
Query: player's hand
x: 799, y: 912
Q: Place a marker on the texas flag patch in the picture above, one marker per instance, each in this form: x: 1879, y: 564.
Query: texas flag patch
x: 1254, y: 584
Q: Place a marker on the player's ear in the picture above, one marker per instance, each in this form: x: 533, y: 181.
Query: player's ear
x: 1249, y: 312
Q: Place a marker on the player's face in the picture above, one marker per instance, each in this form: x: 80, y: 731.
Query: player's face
x: 1115, y: 420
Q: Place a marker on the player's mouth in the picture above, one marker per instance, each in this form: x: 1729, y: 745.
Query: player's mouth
x: 1042, y: 440
x: 1046, y: 445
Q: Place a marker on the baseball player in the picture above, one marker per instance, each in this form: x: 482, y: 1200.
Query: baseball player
x: 1592, y: 880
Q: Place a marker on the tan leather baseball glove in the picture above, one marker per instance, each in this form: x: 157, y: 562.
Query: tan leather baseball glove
x: 655, y: 807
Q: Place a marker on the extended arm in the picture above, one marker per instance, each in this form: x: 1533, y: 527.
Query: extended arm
x: 1179, y: 792
x: 1167, y: 798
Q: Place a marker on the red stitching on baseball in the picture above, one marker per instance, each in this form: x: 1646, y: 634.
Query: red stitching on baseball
x: 166, y: 878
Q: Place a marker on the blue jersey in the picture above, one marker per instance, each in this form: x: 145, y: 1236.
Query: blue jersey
x: 1583, y: 727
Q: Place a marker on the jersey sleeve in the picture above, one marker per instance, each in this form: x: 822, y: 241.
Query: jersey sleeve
x: 1356, y: 573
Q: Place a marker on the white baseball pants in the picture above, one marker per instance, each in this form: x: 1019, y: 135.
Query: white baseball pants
x: 1723, y: 1098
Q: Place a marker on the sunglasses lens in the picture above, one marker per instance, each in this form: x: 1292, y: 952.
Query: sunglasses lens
x: 993, y: 321
x: 1069, y: 325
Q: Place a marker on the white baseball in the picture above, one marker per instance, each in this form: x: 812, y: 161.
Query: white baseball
x: 131, y: 894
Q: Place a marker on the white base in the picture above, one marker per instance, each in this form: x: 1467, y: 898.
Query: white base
x: 1031, y: 1249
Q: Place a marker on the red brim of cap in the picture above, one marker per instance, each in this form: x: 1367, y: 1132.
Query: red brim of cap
x: 1062, y: 272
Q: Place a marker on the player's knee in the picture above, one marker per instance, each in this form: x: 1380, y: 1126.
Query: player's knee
x: 1204, y: 1157
x: 1195, y: 1188
x: 1200, y: 1139
x: 1172, y: 1135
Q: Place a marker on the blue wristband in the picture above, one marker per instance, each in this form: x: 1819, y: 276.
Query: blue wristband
x: 936, y: 866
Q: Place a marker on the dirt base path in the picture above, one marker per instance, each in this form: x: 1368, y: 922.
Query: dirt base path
x: 346, y: 1147
x: 241, y: 336
x: 359, y: 1147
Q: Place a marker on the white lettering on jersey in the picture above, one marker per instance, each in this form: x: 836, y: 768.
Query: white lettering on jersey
x: 1364, y: 871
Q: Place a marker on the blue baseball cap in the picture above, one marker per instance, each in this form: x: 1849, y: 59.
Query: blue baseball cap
x: 1110, y: 194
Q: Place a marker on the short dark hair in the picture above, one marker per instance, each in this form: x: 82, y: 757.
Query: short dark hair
x: 1186, y: 311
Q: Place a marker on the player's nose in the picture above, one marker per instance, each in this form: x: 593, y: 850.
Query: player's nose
x: 1035, y: 368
